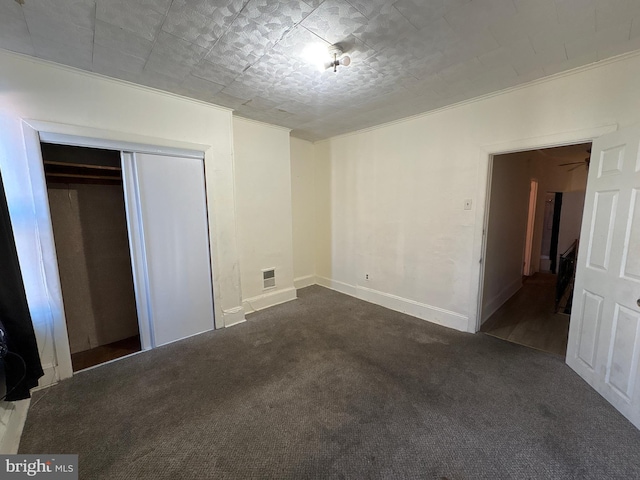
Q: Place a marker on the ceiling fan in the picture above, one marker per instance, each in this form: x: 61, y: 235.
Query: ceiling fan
x: 584, y: 162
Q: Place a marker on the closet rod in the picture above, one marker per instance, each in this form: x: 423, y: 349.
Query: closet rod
x: 81, y: 165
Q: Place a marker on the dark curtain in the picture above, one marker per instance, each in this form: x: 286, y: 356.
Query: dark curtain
x: 22, y: 364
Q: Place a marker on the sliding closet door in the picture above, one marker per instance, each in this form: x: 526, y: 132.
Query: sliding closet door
x: 170, y: 242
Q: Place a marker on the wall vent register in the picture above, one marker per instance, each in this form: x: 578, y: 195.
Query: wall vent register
x: 268, y: 278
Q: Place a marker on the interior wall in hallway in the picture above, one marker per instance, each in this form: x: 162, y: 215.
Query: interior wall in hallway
x: 506, y: 230
x: 570, y: 220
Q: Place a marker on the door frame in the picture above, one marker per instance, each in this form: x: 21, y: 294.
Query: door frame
x: 531, y: 215
x: 33, y: 133
x: 487, y: 152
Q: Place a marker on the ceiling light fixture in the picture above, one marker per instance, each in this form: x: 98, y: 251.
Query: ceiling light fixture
x: 336, y: 51
x: 316, y: 54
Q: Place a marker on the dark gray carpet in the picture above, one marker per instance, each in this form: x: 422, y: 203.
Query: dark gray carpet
x: 332, y: 387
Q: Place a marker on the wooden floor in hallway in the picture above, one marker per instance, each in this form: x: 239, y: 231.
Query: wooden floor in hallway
x: 528, y: 318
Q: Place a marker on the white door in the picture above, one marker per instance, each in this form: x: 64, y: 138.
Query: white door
x: 170, y: 240
x: 604, y: 333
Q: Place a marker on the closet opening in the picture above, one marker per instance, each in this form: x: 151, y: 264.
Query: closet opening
x: 88, y: 216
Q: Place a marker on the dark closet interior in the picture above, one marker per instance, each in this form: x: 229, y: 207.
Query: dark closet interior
x: 86, y: 201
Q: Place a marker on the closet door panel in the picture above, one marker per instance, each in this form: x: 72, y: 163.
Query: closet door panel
x: 174, y: 233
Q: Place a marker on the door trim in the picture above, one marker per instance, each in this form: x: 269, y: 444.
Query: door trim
x: 531, y: 214
x: 74, y: 140
x: 114, y: 140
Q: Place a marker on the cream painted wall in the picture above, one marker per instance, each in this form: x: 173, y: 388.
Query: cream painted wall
x: 506, y: 230
x: 322, y: 211
x: 263, y: 193
x: 303, y: 212
x: 84, y: 104
x: 393, y: 203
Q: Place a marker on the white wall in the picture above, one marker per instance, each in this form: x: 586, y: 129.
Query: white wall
x: 263, y: 199
x: 570, y: 220
x: 393, y: 204
x: 303, y: 212
x: 84, y: 104
x: 506, y: 230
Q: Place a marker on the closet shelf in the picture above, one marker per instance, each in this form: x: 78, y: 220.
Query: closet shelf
x: 82, y: 165
x: 78, y: 175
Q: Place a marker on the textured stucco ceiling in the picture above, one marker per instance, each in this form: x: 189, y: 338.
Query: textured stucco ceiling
x: 408, y: 56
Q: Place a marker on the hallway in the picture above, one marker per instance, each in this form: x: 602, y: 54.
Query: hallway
x: 528, y: 319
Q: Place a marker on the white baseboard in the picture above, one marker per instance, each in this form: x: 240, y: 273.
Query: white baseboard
x: 270, y: 299
x: 233, y: 316
x: 423, y: 311
x: 11, y: 425
x: 498, y: 300
x: 50, y: 377
x: 337, y: 286
x: 305, y: 281
x: 437, y: 315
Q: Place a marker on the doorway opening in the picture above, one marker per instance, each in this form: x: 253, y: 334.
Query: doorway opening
x: 536, y: 202
x: 87, y: 206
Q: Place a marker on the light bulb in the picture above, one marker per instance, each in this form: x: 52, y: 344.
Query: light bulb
x: 346, y: 60
x: 316, y: 54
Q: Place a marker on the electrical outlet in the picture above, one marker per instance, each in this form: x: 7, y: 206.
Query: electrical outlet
x: 467, y: 204
x: 366, y: 277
